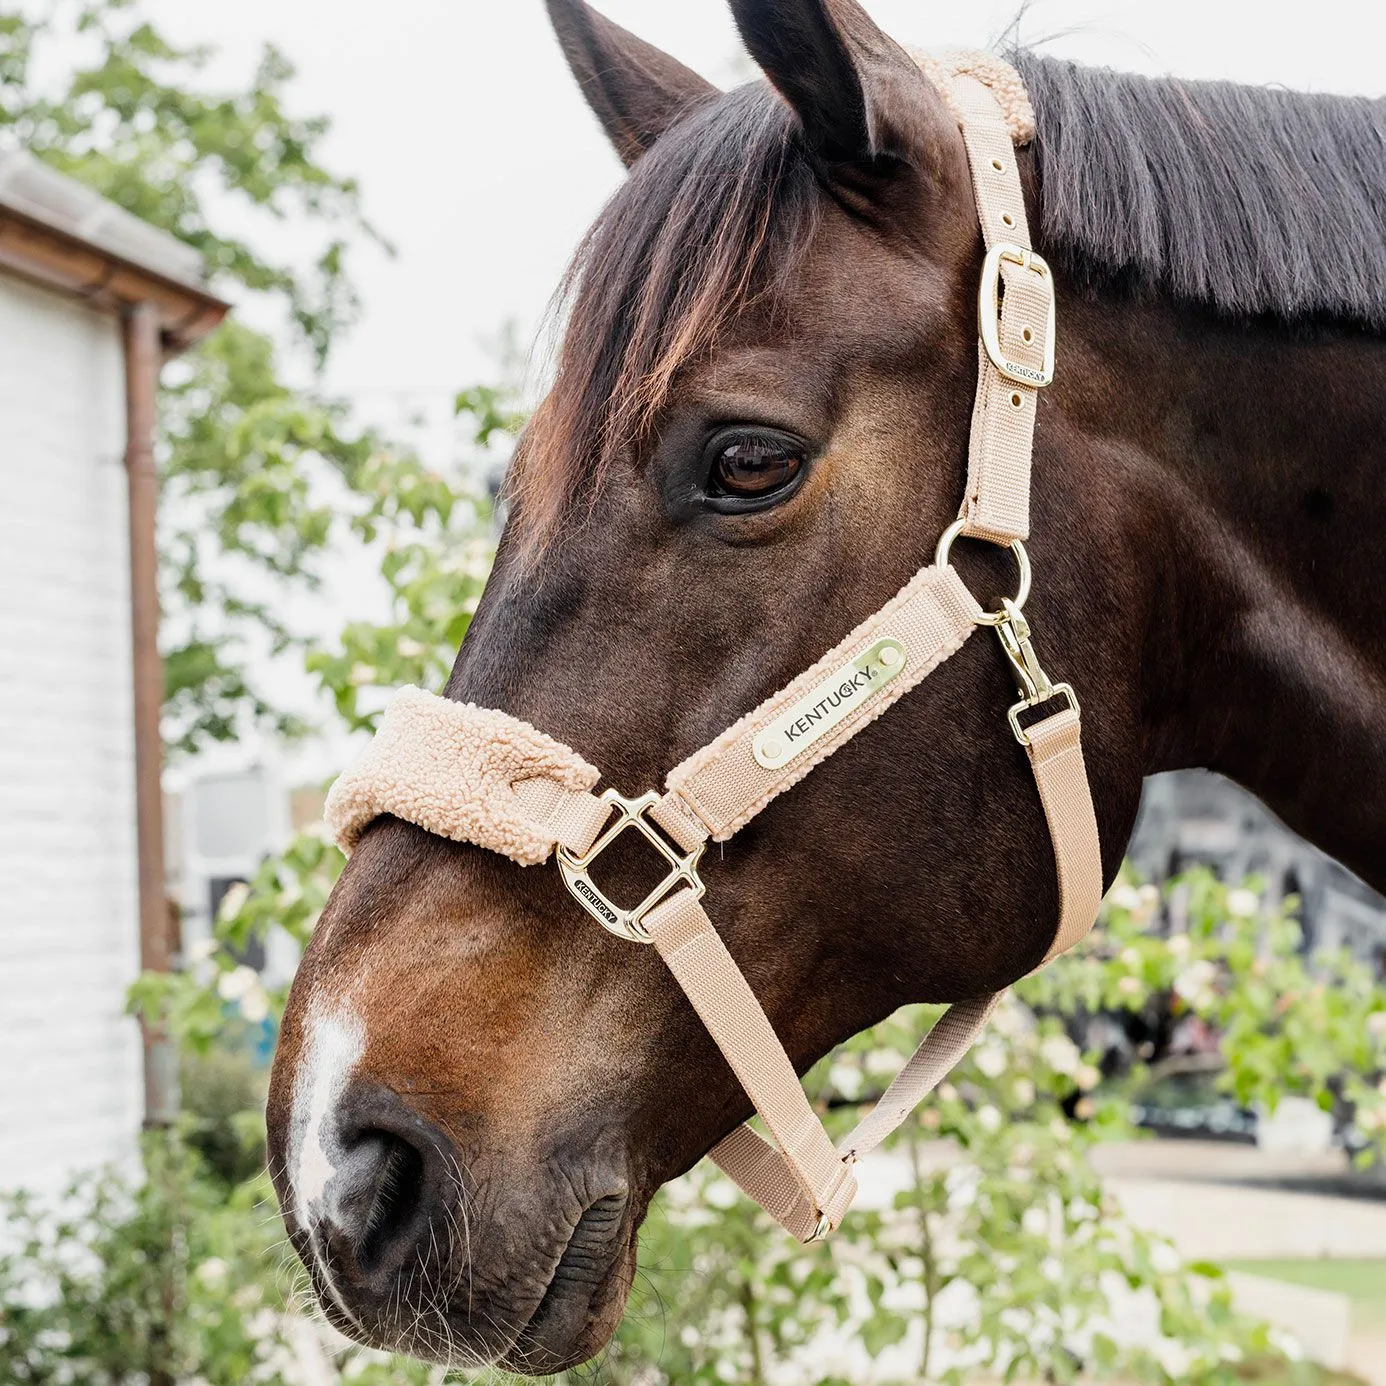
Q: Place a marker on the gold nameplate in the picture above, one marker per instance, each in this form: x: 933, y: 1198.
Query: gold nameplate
x: 837, y: 697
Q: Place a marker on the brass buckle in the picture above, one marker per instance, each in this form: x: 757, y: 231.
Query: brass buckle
x: 988, y: 320
x: 683, y: 869
x: 1033, y: 682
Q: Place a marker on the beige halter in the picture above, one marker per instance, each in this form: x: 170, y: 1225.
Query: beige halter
x: 480, y: 776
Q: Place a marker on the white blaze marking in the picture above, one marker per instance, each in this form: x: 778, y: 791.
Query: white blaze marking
x: 336, y: 1041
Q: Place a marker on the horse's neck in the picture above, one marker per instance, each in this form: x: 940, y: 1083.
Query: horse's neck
x: 1264, y: 452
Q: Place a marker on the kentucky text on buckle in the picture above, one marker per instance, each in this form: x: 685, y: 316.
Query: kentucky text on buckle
x: 837, y: 697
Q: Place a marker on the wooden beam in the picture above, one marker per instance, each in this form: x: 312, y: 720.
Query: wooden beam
x: 143, y: 359
x: 28, y: 248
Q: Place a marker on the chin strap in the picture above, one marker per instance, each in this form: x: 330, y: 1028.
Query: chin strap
x: 477, y: 775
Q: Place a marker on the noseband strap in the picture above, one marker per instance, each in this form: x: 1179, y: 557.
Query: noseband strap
x: 477, y: 775
x: 470, y: 774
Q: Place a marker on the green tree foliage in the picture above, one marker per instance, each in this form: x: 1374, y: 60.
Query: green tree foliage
x: 254, y: 469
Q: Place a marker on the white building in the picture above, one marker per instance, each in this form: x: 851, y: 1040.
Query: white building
x: 91, y: 300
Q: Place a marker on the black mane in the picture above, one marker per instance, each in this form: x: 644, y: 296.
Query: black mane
x: 1253, y: 200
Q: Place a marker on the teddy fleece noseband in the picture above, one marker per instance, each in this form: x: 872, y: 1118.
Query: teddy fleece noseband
x: 480, y: 776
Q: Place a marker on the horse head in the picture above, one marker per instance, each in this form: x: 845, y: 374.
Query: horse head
x: 757, y: 431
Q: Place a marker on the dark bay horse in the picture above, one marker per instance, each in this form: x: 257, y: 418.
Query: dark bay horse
x: 757, y: 431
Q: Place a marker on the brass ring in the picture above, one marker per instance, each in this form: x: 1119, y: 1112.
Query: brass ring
x: 1022, y: 563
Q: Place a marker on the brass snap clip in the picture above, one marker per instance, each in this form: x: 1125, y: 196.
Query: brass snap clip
x: 1034, y: 684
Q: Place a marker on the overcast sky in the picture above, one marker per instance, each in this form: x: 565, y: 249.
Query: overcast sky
x: 481, y: 163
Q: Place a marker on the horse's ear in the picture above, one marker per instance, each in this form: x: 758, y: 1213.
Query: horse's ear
x: 636, y: 90
x: 860, y: 97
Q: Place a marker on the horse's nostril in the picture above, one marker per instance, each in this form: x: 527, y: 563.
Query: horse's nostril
x: 399, y: 1191
x: 375, y: 1199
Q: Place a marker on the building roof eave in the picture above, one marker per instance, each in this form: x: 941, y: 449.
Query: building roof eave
x: 61, y: 233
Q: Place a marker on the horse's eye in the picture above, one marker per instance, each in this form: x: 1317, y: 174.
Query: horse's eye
x: 751, y: 464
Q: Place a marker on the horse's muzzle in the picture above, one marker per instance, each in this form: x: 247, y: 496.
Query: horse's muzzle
x: 415, y: 1245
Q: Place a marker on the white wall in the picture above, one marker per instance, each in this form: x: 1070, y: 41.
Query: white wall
x: 69, y: 1058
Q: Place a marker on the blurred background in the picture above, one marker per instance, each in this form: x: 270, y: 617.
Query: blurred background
x: 312, y: 252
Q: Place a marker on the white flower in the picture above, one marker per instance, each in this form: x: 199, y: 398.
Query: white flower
x: 1035, y: 1221
x: 991, y: 1059
x: 1149, y: 896
x: 202, y: 949
x: 989, y: 1119
x: 211, y: 1272
x: 1179, y: 945
x: 362, y: 673
x: 1060, y: 1053
x: 478, y: 563
x: 1010, y: 1018
x: 1164, y: 1258
x: 1195, y: 982
x: 1130, y: 957
x: 233, y: 900
x: 1087, y: 1076
x: 1242, y: 903
x: 1130, y: 986
x: 1023, y: 1093
x: 411, y: 649
x: 255, y: 1004
x: 721, y: 1193
x: 947, y: 1092
x: 233, y: 985
x: 882, y: 1063
x: 1175, y: 1357
x: 243, y: 986
x: 846, y: 1078
x: 1124, y: 896
x: 1376, y: 1025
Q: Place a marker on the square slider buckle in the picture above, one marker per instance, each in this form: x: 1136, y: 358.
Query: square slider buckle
x: 988, y: 320
x: 575, y: 870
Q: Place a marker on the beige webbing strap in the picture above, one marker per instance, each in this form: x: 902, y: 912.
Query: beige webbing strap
x: 810, y: 1170
x: 721, y: 787
x: 997, y: 503
x: 794, y: 1180
x: 1055, y: 748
